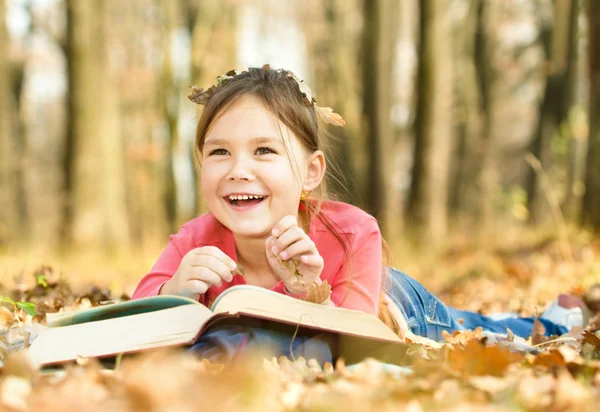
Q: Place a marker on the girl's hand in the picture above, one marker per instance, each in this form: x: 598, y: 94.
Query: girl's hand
x: 289, y: 241
x: 200, y: 269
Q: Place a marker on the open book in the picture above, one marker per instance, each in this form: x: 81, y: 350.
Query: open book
x: 161, y: 321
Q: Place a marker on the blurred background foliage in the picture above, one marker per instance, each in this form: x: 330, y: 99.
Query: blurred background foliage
x: 465, y: 118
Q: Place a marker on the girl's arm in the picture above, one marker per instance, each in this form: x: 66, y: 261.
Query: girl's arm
x: 164, y: 268
x: 357, y: 284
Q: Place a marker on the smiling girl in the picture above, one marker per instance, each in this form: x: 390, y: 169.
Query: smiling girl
x: 261, y: 151
x: 263, y: 167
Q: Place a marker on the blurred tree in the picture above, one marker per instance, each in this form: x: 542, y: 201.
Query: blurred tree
x: 428, y: 199
x: 377, y: 47
x: 330, y: 41
x: 213, y: 49
x: 169, y: 92
x: 145, y: 146
x: 591, y: 199
x: 557, y: 37
x: 95, y: 211
x: 464, y: 192
x: 12, y: 198
x: 331, y: 45
x: 576, y: 127
x: 8, y: 186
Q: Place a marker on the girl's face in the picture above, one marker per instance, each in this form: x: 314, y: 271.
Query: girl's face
x: 248, y: 179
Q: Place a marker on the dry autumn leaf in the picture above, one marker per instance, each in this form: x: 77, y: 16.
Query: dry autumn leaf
x: 592, y: 339
x: 239, y: 270
x: 538, y: 332
x: 329, y: 116
x: 318, y: 292
x: 475, y: 358
x: 462, y: 336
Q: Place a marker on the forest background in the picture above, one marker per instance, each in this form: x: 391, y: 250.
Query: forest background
x: 472, y: 126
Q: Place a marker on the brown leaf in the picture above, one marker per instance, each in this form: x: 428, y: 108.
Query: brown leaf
x: 239, y: 270
x: 489, y: 384
x: 329, y: 116
x: 7, y: 317
x: 592, y: 339
x: 570, y: 394
x: 549, y: 359
x: 292, y: 266
x: 538, y: 332
x: 318, y: 293
x: 463, y: 336
x: 304, y: 89
x: 475, y: 358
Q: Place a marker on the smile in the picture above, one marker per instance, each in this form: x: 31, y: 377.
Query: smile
x: 244, y: 202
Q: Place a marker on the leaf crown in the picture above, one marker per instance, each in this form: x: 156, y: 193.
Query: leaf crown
x: 201, y: 96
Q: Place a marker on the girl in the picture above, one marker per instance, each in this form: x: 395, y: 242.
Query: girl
x: 261, y: 151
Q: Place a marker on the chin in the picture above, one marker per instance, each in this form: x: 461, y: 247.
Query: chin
x: 251, y: 232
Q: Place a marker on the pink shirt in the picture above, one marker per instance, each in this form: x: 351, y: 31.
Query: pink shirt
x: 360, y: 291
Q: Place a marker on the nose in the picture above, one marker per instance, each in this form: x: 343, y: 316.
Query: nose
x: 241, y: 169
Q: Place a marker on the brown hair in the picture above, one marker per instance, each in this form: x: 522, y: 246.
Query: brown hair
x: 282, y: 97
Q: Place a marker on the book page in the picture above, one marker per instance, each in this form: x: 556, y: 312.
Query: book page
x: 253, y: 300
x: 131, y: 307
x: 172, y: 326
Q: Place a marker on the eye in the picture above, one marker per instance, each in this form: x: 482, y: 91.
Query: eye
x: 217, y: 152
x: 264, y: 150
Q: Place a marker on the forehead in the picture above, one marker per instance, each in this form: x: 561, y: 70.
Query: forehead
x: 246, y: 119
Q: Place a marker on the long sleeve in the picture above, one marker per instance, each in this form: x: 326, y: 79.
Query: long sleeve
x: 358, y: 282
x: 166, y: 265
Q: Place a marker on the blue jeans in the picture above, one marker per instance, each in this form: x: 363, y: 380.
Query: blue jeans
x: 427, y: 316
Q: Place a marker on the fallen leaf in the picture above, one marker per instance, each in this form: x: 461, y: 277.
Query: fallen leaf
x: 475, y: 358
x: 538, y: 333
x: 490, y: 384
x: 591, y: 339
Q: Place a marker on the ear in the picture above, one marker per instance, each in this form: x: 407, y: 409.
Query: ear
x: 315, y: 171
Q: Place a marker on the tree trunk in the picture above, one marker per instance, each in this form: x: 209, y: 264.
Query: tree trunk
x: 213, y: 50
x: 9, y: 215
x: 428, y: 200
x: 95, y: 214
x: 464, y: 196
x: 377, y: 66
x: 577, y: 138
x: 591, y: 199
x: 556, y: 101
x: 169, y: 93
x: 333, y: 79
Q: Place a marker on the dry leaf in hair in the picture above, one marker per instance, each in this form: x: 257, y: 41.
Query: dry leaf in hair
x: 199, y: 95
x: 304, y: 89
x: 318, y: 292
x: 329, y: 116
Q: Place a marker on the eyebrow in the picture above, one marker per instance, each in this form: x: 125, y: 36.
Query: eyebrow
x: 258, y: 140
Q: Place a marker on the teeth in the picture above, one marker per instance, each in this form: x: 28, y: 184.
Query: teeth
x: 244, y: 197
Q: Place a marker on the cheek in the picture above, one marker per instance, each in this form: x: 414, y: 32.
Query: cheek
x: 208, y: 182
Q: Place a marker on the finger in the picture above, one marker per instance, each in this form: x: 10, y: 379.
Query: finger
x: 197, y: 286
x: 284, y: 224
x: 302, y: 247
x: 206, y: 275
x: 289, y: 237
x: 310, y: 262
x: 213, y: 264
x: 217, y: 253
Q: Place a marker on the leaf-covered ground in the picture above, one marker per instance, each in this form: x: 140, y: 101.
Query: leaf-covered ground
x: 468, y: 372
